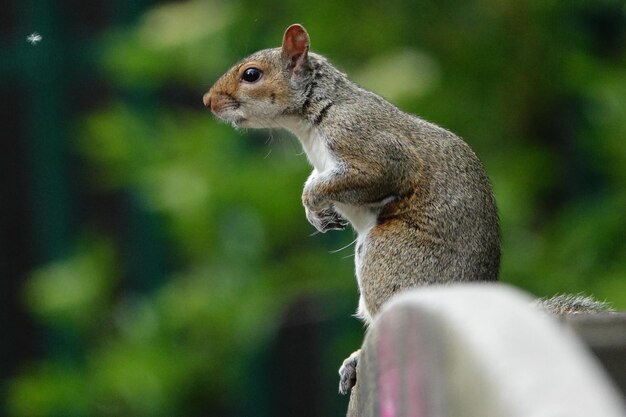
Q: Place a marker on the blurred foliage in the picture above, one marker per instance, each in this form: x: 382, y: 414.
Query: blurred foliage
x: 536, y: 87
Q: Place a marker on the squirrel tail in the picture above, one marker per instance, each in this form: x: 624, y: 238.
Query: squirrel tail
x: 564, y: 304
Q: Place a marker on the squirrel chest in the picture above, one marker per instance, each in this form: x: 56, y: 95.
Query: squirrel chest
x: 314, y: 144
x: 361, y: 217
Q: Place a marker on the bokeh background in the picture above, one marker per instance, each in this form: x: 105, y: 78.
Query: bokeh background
x: 154, y: 262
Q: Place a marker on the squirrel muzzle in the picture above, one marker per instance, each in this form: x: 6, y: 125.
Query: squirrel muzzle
x: 206, y: 99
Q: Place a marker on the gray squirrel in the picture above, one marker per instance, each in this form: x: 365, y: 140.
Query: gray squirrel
x: 416, y: 194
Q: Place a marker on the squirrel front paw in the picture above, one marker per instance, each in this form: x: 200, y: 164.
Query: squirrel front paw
x: 325, y: 219
x: 347, y: 372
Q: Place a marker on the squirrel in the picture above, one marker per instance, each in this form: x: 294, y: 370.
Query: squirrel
x: 417, y: 196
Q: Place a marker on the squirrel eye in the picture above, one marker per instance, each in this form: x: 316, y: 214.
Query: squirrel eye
x: 251, y: 75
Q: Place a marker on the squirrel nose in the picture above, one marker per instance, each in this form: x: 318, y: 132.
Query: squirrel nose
x: 207, y: 100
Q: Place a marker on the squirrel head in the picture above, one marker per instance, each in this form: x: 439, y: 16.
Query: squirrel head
x: 264, y: 86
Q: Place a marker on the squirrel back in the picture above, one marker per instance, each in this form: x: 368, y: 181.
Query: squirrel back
x: 416, y: 194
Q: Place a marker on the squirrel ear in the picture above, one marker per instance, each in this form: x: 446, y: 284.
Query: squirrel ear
x: 295, y: 46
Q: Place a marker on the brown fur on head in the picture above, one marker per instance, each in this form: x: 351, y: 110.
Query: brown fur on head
x: 261, y: 88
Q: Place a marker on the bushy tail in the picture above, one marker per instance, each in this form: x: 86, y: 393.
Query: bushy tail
x: 564, y: 304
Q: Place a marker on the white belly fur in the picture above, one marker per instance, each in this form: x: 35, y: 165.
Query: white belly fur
x: 362, y: 218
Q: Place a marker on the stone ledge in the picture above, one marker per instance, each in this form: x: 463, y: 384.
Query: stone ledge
x: 480, y: 351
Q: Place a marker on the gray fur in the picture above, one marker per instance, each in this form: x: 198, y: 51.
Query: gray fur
x: 441, y: 225
x: 565, y: 304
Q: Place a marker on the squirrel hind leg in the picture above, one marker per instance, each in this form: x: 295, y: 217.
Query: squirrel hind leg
x: 347, y: 372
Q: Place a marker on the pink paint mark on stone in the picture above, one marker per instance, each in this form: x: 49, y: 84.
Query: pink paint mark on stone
x: 414, y: 370
x: 389, y: 374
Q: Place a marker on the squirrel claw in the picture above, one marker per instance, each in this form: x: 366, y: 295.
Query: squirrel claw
x: 334, y: 222
x: 347, y: 373
x: 326, y: 219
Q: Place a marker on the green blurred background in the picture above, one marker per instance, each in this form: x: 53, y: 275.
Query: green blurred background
x: 157, y: 263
